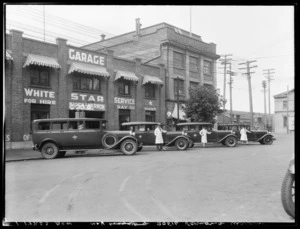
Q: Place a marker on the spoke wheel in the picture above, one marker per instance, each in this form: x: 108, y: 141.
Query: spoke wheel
x: 181, y: 144
x: 268, y: 140
x: 288, y: 194
x: 129, y: 147
x: 231, y: 141
x: 50, y: 151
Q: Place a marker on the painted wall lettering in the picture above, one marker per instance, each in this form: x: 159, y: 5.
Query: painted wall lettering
x: 39, y: 96
x: 86, y: 57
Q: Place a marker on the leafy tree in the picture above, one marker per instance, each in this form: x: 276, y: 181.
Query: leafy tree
x: 203, y: 105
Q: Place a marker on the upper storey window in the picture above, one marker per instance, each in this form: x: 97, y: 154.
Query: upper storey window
x: 39, y: 76
x: 207, y: 67
x: 193, y: 64
x: 178, y: 60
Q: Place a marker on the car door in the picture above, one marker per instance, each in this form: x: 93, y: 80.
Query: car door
x: 252, y: 135
x: 145, y: 134
x: 193, y: 132
x: 213, y: 136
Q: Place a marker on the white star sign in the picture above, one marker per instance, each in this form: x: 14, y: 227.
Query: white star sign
x: 150, y: 103
x: 75, y: 137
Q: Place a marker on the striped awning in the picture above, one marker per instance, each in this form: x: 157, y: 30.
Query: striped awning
x: 152, y: 79
x: 89, y: 69
x: 126, y: 75
x: 39, y: 60
x: 8, y: 56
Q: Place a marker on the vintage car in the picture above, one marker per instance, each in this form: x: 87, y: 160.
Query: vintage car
x: 53, y: 137
x: 144, y: 132
x: 262, y: 136
x: 192, y: 129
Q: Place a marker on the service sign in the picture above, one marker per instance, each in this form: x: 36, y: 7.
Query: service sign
x: 39, y: 96
x: 82, y: 101
x: 86, y: 57
x: 124, y: 103
x: 150, y: 105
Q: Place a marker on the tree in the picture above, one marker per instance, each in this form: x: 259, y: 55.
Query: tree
x: 203, y: 105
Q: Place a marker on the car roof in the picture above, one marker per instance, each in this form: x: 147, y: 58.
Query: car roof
x: 68, y: 119
x: 140, y: 123
x: 193, y: 123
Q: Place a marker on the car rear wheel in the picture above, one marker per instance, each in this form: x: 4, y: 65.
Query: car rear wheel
x: 129, y: 147
x: 181, y: 144
x: 50, y: 151
x: 109, y: 140
x: 268, y: 140
x: 288, y: 194
x: 231, y: 141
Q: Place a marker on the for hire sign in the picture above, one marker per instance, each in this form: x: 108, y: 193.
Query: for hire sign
x: 86, y: 102
x: 39, y: 96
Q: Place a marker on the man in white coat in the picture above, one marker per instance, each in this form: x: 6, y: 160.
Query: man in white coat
x: 203, y: 134
x: 159, y: 141
x: 243, y: 133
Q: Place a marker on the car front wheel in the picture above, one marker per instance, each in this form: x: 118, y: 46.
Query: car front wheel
x: 50, y: 151
x: 231, y: 141
x: 129, y: 147
x: 288, y: 194
x: 181, y: 144
x: 268, y: 140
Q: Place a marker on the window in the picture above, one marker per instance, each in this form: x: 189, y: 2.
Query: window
x: 194, y: 85
x: 40, y: 111
x: 178, y: 60
x: 207, y: 67
x: 150, y: 116
x: 208, y: 86
x: 39, y: 76
x: 178, y: 87
x: 59, y: 125
x: 124, y: 116
x: 124, y: 87
x: 193, y: 64
x: 44, y: 126
x: 284, y: 121
x: 150, y: 90
x: 284, y: 104
x: 86, y: 83
x: 92, y: 124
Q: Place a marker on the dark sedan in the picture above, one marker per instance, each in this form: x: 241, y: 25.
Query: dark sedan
x: 262, y: 136
x: 192, y: 129
x: 144, y: 132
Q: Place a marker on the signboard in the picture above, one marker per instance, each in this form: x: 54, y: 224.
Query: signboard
x: 86, y: 57
x: 150, y: 105
x: 39, y: 96
x: 82, y: 101
x: 124, y: 103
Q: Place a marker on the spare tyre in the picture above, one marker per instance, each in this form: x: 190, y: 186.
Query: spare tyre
x: 109, y: 140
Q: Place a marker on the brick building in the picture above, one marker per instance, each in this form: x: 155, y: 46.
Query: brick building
x: 45, y: 80
x: 188, y: 60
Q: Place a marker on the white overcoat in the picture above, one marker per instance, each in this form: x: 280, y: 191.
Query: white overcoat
x: 158, y: 135
x: 203, y: 134
x: 243, y: 133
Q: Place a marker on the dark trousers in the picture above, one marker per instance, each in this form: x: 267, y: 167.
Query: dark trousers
x: 159, y: 147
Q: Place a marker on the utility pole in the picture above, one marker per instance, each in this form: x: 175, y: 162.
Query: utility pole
x: 177, y: 99
x: 230, y: 88
x: 249, y: 86
x: 264, y: 85
x: 224, y: 62
x: 269, y: 78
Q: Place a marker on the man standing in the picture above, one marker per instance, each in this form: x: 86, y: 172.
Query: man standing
x: 243, y: 133
x: 159, y: 141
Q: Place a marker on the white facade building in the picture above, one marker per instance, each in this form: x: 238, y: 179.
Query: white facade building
x: 284, y: 112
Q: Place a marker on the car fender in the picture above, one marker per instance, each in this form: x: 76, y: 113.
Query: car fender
x: 228, y: 135
x: 291, y: 168
x: 118, y: 143
x: 265, y: 136
x: 47, y: 140
x: 172, y: 143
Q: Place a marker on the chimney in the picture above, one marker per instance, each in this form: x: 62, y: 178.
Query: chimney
x: 138, y: 26
x: 102, y: 37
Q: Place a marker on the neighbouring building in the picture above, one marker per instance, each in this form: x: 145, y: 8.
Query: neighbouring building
x: 284, y: 117
x: 188, y: 60
x: 46, y: 80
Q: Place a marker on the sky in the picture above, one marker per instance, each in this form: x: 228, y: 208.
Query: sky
x: 264, y: 34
